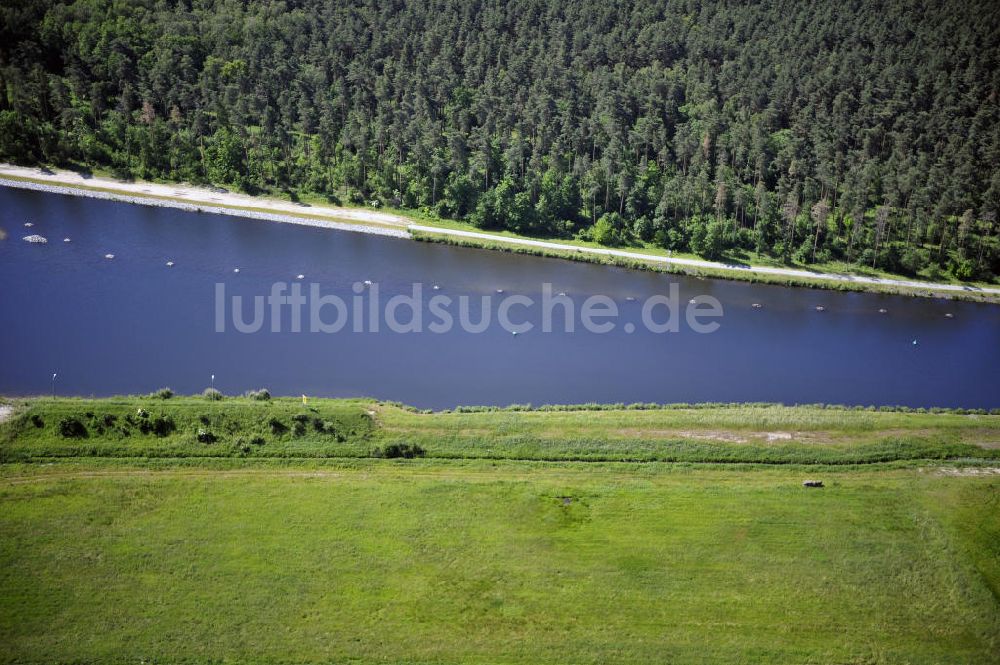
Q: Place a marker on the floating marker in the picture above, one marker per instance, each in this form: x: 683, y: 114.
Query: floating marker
x: 561, y: 293
x: 514, y: 333
x: 949, y: 315
x: 882, y: 310
x: 499, y: 290
x: 368, y: 282
x: 756, y: 305
x: 629, y: 298
x: 170, y: 264
x: 436, y: 287
x: 28, y: 225
x: 693, y: 301
x: 236, y: 269
x: 914, y: 342
x: 820, y: 308
x: 109, y: 256
x: 300, y: 277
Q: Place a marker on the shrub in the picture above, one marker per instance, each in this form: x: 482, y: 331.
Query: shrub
x: 299, y: 421
x: 163, y: 393
x: 257, y: 441
x: 142, y: 413
x: 162, y: 425
x: 212, y: 394
x: 37, y: 421
x: 277, y: 427
x: 72, y: 428
x: 397, y: 450
x: 204, y: 436
x: 261, y: 395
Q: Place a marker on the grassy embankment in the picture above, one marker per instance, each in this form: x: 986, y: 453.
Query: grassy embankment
x: 164, y: 549
x: 972, y: 294
x: 766, y: 434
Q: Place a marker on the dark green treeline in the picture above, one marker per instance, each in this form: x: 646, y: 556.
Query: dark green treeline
x: 865, y: 132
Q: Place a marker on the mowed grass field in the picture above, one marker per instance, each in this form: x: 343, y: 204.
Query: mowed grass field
x: 244, y: 558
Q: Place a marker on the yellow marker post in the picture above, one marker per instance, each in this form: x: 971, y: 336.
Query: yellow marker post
x: 305, y: 401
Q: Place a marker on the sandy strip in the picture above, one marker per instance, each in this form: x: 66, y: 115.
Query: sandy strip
x: 195, y: 199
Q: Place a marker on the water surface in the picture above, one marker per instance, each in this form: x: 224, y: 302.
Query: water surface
x: 132, y: 325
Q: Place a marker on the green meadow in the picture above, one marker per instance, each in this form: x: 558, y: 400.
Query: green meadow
x: 508, y: 537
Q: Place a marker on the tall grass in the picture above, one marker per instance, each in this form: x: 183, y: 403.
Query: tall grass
x: 281, y: 427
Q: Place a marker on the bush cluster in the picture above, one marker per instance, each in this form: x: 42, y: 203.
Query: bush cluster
x: 399, y: 450
x: 277, y: 427
x: 160, y: 426
x: 72, y: 428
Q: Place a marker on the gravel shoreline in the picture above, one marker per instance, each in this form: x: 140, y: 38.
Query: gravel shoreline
x: 216, y: 210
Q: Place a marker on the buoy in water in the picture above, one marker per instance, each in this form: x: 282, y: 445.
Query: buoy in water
x: 820, y: 308
x: 949, y: 315
x: 28, y: 225
x: 756, y: 305
x: 882, y: 310
x: 109, y: 256
x: 499, y: 290
x: 692, y: 301
x: 236, y: 269
x: 629, y: 298
x: 66, y: 240
x: 561, y: 293
x: 514, y: 333
x: 914, y: 342
x: 368, y: 282
x: 437, y: 288
x: 300, y: 277
x: 170, y: 264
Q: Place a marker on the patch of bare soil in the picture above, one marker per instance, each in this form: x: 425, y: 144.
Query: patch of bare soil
x: 969, y: 471
x: 731, y: 436
x: 984, y: 438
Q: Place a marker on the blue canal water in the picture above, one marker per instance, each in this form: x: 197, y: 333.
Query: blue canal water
x: 131, y: 324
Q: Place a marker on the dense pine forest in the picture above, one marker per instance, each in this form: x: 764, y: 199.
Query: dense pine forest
x: 861, y: 132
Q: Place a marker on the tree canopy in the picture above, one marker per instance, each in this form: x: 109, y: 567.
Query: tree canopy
x: 863, y: 132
